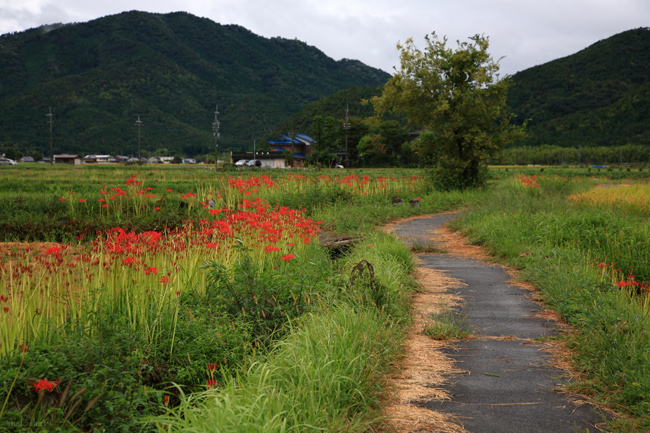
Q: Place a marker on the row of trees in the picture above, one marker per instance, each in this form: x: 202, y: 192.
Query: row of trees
x: 454, y: 96
x: 369, y: 143
x: 557, y: 155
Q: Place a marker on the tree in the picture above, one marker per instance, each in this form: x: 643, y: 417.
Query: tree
x: 458, y: 97
x: 373, y: 150
x: 325, y: 130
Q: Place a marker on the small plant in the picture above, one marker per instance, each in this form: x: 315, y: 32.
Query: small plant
x: 447, y: 325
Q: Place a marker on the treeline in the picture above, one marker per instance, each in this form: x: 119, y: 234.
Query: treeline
x: 557, y: 155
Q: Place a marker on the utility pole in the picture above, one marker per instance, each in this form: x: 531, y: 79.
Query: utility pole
x: 346, y: 126
x: 215, y: 130
x: 292, y: 147
x: 139, y: 124
x: 51, y: 122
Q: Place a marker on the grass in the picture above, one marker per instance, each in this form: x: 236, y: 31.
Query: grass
x: 591, y: 264
x: 218, y: 324
x: 447, y: 325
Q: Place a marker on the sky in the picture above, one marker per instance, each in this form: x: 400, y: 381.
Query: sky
x: 522, y: 33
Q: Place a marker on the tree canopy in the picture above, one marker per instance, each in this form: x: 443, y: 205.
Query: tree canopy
x: 458, y: 97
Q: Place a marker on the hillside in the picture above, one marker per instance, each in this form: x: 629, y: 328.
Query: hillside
x: 170, y: 70
x: 599, y: 96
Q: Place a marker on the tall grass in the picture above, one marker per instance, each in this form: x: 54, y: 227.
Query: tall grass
x: 328, y: 373
x: 592, y: 264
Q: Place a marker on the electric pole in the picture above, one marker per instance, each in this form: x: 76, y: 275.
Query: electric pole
x: 139, y: 124
x: 215, y: 131
x: 346, y: 126
x: 292, y: 148
x: 51, y: 122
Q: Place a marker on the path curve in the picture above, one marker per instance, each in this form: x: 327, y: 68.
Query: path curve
x: 502, y: 380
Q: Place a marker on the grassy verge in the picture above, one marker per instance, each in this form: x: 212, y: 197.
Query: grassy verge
x: 591, y: 264
x: 104, y: 365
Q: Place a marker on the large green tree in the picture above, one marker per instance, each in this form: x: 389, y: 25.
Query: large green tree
x: 457, y: 96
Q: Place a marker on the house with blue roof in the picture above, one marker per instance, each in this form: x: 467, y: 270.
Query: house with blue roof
x: 301, y: 146
x: 278, y: 148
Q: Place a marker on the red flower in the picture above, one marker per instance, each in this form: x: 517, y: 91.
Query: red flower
x: 24, y: 348
x: 54, y: 251
x: 158, y: 208
x: 150, y: 270
x: 212, y: 366
x: 288, y: 257
x: 270, y: 248
x: 129, y: 261
x: 62, y: 198
x: 82, y: 200
x: 164, y: 280
x: 210, y: 383
x: 44, y: 384
x: 166, y: 400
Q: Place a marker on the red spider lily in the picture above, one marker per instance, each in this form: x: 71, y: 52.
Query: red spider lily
x: 82, y: 200
x: 166, y: 400
x: 164, y: 280
x: 212, y: 367
x: 129, y: 261
x: 270, y: 248
x: 62, y: 199
x: 287, y: 257
x: 54, y: 252
x: 44, y: 384
x: 210, y: 383
x: 530, y: 183
x: 24, y: 348
x: 151, y: 270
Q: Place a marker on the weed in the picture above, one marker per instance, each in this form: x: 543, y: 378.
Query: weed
x: 447, y: 325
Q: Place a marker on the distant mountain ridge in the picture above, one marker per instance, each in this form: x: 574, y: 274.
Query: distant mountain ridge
x: 169, y: 69
x: 599, y: 96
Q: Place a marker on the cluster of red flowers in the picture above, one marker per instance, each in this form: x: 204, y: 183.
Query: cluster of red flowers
x: 625, y: 281
x: 44, y: 384
x: 530, y: 182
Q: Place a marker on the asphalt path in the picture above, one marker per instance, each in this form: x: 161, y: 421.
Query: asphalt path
x: 509, y: 382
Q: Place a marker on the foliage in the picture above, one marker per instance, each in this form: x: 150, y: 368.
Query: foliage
x: 458, y: 97
x: 558, y: 155
x: 99, y: 76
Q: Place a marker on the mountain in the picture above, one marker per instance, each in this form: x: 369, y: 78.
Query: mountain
x: 599, y: 96
x: 170, y: 70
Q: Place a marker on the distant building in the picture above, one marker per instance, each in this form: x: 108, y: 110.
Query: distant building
x: 301, y: 146
x: 68, y: 159
x: 99, y: 159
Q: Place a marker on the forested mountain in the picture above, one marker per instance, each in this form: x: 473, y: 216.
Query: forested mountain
x: 599, y: 96
x: 171, y: 70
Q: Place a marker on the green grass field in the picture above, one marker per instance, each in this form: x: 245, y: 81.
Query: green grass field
x: 184, y: 297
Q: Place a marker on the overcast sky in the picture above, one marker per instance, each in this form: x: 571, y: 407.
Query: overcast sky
x: 525, y: 32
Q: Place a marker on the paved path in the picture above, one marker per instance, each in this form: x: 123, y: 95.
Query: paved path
x: 509, y: 384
